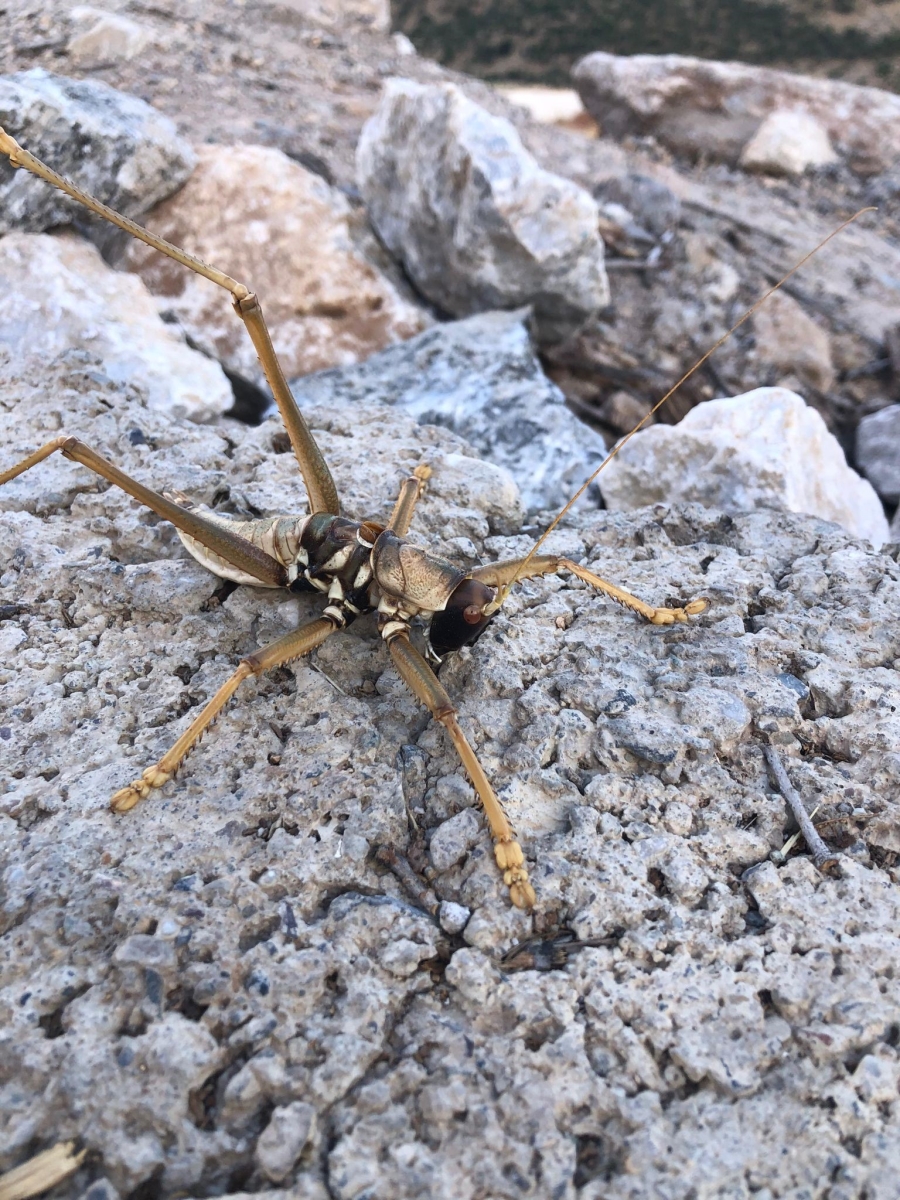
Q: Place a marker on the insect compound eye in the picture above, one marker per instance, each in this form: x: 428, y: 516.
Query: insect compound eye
x: 462, y: 620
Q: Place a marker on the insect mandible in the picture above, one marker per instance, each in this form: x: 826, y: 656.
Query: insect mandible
x: 359, y: 566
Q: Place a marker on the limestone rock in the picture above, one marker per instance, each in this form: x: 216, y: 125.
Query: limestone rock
x: 481, y: 378
x: 56, y: 292
x: 282, y: 1141
x: 714, y: 108
x: 112, y: 144
x: 270, y: 223
x: 108, y: 38
x: 790, y: 341
x: 787, y: 143
x: 478, y: 225
x: 175, y: 977
x: 878, y: 451
x: 763, y: 449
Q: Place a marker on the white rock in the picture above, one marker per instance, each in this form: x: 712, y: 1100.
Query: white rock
x: 56, y: 292
x: 713, y: 108
x: 549, y: 105
x: 111, y: 37
x: 765, y: 449
x: 787, y: 143
x: 478, y: 225
x: 287, y: 234
x: 281, y: 1142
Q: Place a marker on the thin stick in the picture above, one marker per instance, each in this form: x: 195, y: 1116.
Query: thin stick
x: 823, y: 858
x: 505, y: 590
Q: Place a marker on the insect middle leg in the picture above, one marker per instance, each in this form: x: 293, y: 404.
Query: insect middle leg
x: 411, y: 493
x: 425, y: 686
x: 503, y: 574
x: 293, y: 645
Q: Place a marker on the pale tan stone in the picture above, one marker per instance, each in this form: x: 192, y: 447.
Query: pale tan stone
x: 106, y: 37
x: 288, y: 235
x: 787, y: 143
x: 791, y: 341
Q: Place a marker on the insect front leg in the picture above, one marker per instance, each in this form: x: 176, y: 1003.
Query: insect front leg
x: 510, y: 571
x: 293, y: 645
x: 424, y: 685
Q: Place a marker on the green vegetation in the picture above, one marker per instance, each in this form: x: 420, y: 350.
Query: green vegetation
x: 539, y: 40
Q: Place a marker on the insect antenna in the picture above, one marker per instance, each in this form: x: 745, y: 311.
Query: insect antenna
x: 504, y: 589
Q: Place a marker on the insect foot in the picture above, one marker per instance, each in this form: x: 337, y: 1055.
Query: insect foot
x: 511, y: 860
x: 127, y: 797
x: 669, y: 616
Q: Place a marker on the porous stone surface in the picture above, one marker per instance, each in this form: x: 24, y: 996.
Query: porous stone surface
x: 765, y: 449
x: 117, y: 147
x: 715, y: 108
x: 230, y: 959
x: 481, y: 378
x: 477, y: 224
x: 57, y: 292
x: 878, y: 450
x: 788, y: 143
x: 292, y: 238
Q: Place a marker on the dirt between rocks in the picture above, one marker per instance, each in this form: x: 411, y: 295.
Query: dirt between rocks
x: 226, y: 993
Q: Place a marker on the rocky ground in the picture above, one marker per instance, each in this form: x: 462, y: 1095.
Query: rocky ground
x: 294, y: 972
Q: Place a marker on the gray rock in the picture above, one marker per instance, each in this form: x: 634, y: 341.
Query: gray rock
x: 878, y: 451
x: 759, y: 1016
x: 478, y: 225
x: 282, y: 1141
x: 453, y: 917
x: 481, y: 378
x: 453, y: 839
x: 120, y: 149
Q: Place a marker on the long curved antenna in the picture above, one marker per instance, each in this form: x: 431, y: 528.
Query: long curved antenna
x: 504, y: 590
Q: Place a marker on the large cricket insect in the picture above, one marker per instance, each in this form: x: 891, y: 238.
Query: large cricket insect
x: 359, y: 566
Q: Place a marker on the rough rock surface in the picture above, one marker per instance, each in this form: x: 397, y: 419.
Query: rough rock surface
x: 230, y: 960
x: 294, y: 239
x: 117, y: 147
x: 479, y: 377
x: 715, y: 108
x: 766, y: 449
x: 56, y: 292
x: 454, y: 194
x: 878, y: 451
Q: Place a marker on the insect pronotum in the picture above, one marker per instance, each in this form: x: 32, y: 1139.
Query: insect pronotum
x: 359, y: 566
